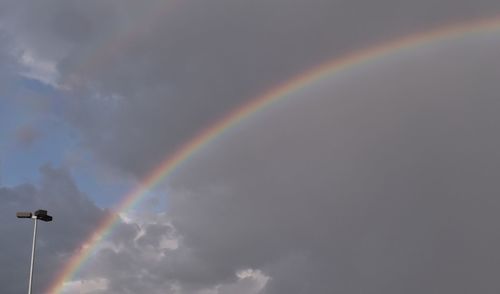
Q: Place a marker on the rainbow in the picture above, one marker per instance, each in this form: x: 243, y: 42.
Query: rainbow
x: 173, y: 161
x: 93, y: 59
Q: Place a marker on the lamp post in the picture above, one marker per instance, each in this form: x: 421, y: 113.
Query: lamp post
x: 38, y: 215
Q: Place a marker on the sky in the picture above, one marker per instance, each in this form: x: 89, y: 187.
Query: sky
x: 382, y: 178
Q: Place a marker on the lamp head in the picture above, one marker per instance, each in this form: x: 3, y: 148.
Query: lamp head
x: 42, y: 215
x: 40, y: 212
x: 45, y: 218
x: 24, y: 214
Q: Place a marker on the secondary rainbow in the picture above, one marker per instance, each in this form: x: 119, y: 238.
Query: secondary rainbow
x: 92, y: 59
x: 171, y: 162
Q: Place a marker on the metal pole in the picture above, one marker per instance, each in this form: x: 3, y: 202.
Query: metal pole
x: 32, y: 256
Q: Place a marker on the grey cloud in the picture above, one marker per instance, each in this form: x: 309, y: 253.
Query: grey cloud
x: 194, y: 61
x: 153, y: 235
x: 196, y: 66
x: 381, y: 181
x: 134, y: 260
x: 244, y: 286
x: 8, y: 65
x: 363, y: 188
x: 129, y: 258
x: 74, y: 218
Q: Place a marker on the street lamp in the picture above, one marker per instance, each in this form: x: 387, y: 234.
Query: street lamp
x: 38, y: 215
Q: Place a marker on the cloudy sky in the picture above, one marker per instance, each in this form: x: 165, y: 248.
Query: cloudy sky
x: 380, y: 179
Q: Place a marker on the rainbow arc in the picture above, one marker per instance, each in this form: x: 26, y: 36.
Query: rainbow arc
x: 244, y: 112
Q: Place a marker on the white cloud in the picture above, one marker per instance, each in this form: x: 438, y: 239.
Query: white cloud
x: 39, y: 69
x: 85, y: 286
x: 249, y: 282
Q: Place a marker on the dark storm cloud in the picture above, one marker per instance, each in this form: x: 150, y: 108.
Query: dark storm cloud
x: 74, y: 218
x: 171, y: 67
x: 198, y: 63
x: 366, y: 188
x: 383, y: 182
x: 385, y: 188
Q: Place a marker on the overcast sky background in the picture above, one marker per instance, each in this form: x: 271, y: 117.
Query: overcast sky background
x: 382, y: 179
